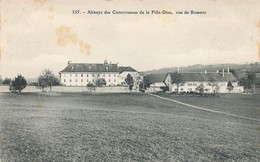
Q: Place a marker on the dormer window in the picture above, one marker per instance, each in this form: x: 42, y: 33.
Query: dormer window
x: 72, y: 68
x: 106, y: 68
x: 89, y: 68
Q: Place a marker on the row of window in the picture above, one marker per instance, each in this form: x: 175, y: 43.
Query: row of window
x: 189, y: 89
x: 195, y: 84
x: 93, y: 75
x: 87, y: 80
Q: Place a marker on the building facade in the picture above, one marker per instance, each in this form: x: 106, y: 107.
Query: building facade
x: 81, y: 74
x: 211, y: 82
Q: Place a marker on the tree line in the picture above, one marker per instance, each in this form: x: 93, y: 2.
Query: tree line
x: 46, y: 79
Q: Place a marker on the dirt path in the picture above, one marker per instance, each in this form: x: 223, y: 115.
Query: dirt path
x: 204, y: 109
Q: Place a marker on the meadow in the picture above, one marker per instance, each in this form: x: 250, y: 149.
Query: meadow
x: 126, y: 127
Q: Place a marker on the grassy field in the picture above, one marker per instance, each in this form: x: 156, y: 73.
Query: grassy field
x: 246, y: 105
x: 125, y: 127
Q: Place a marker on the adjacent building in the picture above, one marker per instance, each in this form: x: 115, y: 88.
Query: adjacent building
x: 156, y: 82
x: 81, y: 74
x: 211, y: 82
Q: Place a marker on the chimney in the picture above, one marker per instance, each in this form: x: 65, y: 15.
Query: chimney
x: 178, y: 69
x: 223, y: 75
x: 228, y: 70
x: 205, y: 71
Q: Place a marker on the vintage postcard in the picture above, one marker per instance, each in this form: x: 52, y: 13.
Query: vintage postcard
x: 129, y: 80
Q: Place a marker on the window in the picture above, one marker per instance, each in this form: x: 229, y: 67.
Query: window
x: 189, y: 89
x: 92, y: 80
x: 93, y: 75
x: 194, y: 84
x: 76, y: 75
x: 81, y: 80
x: 70, y: 80
x: 109, y: 75
x: 76, y: 80
x: 64, y: 80
x: 114, y: 80
x: 87, y: 80
x: 87, y: 75
x: 81, y: 75
x: 189, y: 84
x: 108, y: 80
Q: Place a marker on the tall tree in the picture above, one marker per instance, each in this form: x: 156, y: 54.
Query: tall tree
x: 42, y: 82
x: 18, y: 84
x: 230, y: 86
x: 130, y: 81
x: 47, y: 79
x: 177, y: 79
x: 251, y: 77
x: 245, y: 83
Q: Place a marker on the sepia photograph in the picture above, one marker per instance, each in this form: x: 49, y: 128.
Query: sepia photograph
x: 129, y: 80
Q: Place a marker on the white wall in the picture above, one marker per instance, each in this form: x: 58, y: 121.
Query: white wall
x: 191, y: 86
x: 82, y: 79
x: 135, y: 75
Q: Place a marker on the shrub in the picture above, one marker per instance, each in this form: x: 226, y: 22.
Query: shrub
x: 18, y: 84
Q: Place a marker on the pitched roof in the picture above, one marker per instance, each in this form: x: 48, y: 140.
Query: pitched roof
x: 126, y: 68
x: 81, y: 67
x: 154, y: 78
x: 214, y: 77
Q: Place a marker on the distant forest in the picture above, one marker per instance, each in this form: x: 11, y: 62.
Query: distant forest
x: 239, y: 70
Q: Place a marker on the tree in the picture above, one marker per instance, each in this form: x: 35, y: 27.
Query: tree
x: 101, y: 82
x: 245, y: 83
x: 91, y: 87
x: 130, y: 81
x: 42, y: 82
x: 251, y: 77
x: 200, y: 89
x: 7, y: 81
x: 18, y: 84
x: 47, y: 79
x: 177, y: 79
x: 230, y: 86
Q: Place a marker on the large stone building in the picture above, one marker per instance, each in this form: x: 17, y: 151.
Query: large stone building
x: 81, y: 74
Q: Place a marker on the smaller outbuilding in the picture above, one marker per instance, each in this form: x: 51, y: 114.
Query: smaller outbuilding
x: 155, y: 82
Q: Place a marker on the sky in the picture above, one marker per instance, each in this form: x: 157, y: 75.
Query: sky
x: 42, y: 34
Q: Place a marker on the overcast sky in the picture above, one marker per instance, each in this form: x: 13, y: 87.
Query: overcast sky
x: 39, y: 34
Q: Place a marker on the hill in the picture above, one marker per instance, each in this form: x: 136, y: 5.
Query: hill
x: 238, y: 68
